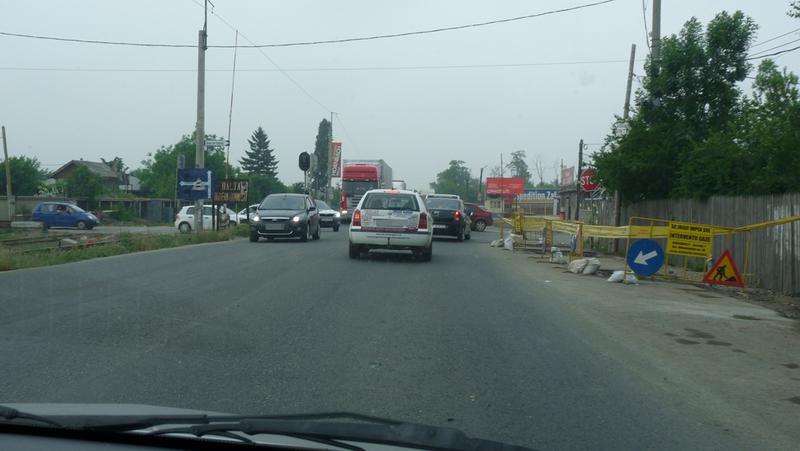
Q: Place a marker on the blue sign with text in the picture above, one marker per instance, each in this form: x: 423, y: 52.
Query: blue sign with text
x: 195, y: 184
x: 645, y: 257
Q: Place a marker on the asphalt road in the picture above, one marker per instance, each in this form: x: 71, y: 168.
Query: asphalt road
x: 287, y: 327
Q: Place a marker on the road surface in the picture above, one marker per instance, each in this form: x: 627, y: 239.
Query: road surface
x: 287, y: 327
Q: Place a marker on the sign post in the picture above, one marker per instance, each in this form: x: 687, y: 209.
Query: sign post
x: 304, y: 162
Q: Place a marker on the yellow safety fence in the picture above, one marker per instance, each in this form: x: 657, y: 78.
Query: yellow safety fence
x: 653, y: 228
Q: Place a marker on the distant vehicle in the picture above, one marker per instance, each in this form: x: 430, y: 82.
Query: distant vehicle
x: 328, y: 217
x: 479, y: 217
x: 62, y: 214
x: 399, y: 184
x: 285, y: 216
x: 184, y: 219
x: 242, y: 216
x: 358, y: 177
x: 449, y: 216
x: 391, y: 219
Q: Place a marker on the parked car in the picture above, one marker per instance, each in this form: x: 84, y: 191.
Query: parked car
x: 449, y: 216
x: 328, y: 217
x: 62, y: 214
x: 391, y: 219
x: 184, y: 219
x: 242, y: 216
x: 479, y: 217
x: 285, y: 216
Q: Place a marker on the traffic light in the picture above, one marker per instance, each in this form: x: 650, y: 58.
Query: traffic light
x: 304, y: 161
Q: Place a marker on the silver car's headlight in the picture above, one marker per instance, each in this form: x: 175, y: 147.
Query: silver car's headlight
x: 337, y: 214
x: 296, y: 219
x: 255, y: 218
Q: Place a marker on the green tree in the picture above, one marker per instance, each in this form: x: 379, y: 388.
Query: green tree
x: 691, y: 95
x: 456, y: 179
x: 261, y: 186
x: 260, y: 159
x: 158, y: 172
x: 322, y: 145
x: 26, y: 176
x: 116, y: 164
x: 296, y: 187
x: 84, y: 183
x: 518, y: 167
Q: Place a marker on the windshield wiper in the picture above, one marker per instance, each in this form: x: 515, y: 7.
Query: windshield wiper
x: 312, y: 427
x: 8, y: 413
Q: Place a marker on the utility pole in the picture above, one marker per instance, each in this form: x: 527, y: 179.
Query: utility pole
x: 481, y: 196
x: 655, y: 46
x: 578, y: 185
x: 9, y: 195
x: 200, y: 134
x: 626, y: 110
x: 502, y: 192
x: 328, y: 193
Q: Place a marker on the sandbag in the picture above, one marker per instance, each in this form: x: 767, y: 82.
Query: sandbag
x: 577, y: 266
x: 592, y: 266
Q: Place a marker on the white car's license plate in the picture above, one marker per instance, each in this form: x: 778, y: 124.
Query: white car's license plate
x: 273, y: 226
x: 439, y: 226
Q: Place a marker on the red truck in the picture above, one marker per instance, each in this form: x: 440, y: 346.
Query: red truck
x: 358, y: 177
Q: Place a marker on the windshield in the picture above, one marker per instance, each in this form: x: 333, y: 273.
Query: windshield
x: 283, y: 203
x: 443, y: 203
x: 558, y: 224
x: 358, y: 188
x: 383, y: 201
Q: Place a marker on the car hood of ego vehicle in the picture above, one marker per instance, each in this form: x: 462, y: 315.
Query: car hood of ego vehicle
x: 337, y: 430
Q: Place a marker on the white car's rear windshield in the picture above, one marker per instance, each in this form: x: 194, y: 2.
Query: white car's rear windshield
x: 389, y: 201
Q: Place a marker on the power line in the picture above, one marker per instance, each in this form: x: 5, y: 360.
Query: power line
x: 285, y: 74
x: 776, y: 37
x: 773, y: 54
x: 776, y: 47
x: 341, y: 124
x: 307, y: 43
x: 323, y: 69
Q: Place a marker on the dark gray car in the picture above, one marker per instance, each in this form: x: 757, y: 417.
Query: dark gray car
x: 285, y: 215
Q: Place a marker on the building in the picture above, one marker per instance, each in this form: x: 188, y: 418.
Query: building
x: 111, y: 179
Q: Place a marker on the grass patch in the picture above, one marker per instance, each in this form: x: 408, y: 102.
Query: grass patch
x: 126, y: 243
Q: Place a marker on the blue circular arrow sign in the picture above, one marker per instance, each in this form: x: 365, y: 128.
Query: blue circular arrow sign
x: 645, y: 257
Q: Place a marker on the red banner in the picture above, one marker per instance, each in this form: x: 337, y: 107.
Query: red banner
x: 506, y: 186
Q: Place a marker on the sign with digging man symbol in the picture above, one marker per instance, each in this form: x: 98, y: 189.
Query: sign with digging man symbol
x: 724, y: 272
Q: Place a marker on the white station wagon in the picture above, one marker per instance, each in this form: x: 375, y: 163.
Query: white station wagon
x: 391, y: 219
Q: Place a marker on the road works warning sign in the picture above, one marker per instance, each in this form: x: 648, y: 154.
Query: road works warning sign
x: 724, y: 272
x: 691, y: 240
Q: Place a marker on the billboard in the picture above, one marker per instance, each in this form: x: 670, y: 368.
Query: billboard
x: 506, y: 185
x: 231, y: 190
x: 568, y: 176
x: 336, y: 159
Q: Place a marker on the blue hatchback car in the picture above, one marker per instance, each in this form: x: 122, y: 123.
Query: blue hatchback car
x: 62, y: 214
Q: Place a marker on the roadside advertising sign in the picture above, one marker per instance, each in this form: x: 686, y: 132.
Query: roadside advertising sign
x: 507, y: 185
x: 568, y: 176
x: 691, y: 240
x: 231, y: 190
x: 336, y: 159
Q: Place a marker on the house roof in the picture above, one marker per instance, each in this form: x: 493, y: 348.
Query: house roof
x: 101, y: 169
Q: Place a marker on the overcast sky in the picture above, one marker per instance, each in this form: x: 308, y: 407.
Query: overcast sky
x: 416, y: 120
